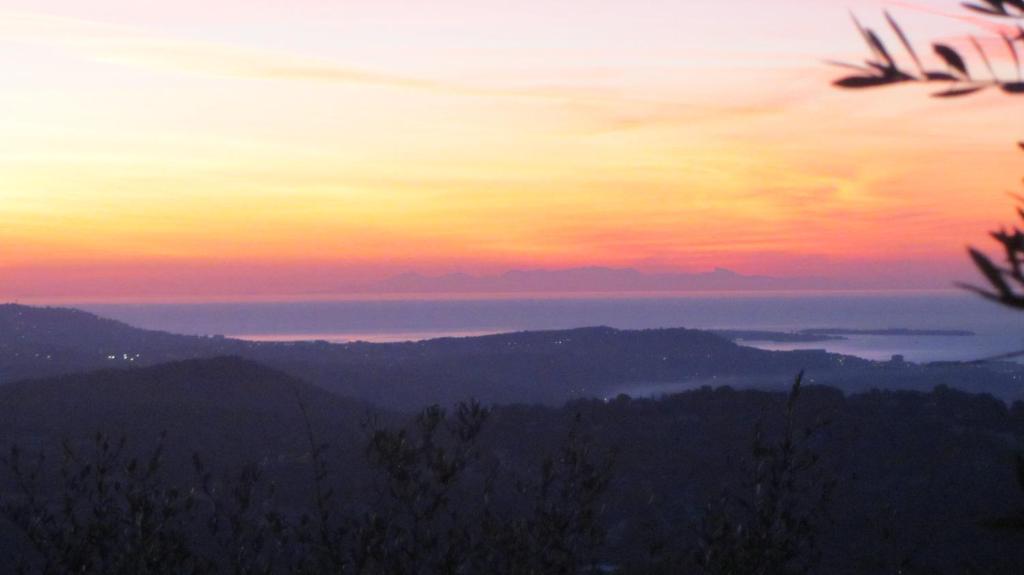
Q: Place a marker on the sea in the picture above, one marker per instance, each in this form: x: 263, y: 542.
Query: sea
x: 997, y: 330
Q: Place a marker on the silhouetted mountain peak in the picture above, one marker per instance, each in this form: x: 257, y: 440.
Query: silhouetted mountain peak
x: 53, y: 323
x: 17, y: 316
x: 591, y: 279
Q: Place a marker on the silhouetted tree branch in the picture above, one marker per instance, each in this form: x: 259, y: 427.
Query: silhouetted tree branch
x: 1005, y: 280
x: 883, y: 69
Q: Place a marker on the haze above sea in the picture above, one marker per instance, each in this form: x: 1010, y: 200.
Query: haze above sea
x: 998, y: 330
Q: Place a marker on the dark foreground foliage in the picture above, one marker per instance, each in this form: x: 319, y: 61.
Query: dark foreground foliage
x: 707, y: 481
x: 432, y: 510
x: 437, y: 502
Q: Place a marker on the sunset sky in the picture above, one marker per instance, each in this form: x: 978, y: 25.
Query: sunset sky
x: 244, y: 147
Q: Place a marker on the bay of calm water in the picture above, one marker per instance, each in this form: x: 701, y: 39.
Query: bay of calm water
x: 998, y: 330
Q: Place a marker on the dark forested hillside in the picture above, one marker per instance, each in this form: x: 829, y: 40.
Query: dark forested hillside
x: 231, y: 409
x: 40, y: 341
x: 548, y: 367
x: 916, y: 474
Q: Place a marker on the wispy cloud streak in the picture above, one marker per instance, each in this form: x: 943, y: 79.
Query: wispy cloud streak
x: 129, y: 46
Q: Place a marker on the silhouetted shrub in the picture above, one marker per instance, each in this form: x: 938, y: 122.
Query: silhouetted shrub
x: 771, y: 528
x: 107, y: 513
x: 435, y: 507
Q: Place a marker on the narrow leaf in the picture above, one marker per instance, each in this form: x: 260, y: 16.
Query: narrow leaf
x: 984, y: 58
x: 985, y: 10
x: 883, y: 69
x: 906, y: 42
x: 955, y: 92
x: 839, y: 64
x: 873, y: 42
x: 863, y: 31
x: 879, y: 47
x: 864, y: 81
x: 1013, y: 52
x: 952, y: 59
x: 980, y: 291
x: 993, y: 274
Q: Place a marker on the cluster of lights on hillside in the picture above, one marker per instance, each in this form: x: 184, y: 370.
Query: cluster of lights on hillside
x: 124, y: 357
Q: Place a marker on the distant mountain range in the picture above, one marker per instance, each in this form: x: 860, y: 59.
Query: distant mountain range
x: 592, y: 279
x: 548, y: 367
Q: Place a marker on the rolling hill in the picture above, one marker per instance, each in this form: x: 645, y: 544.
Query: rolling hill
x: 548, y: 367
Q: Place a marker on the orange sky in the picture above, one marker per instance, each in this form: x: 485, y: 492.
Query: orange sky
x: 280, y: 147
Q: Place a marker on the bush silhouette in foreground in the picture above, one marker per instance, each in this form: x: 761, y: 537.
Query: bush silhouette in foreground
x: 437, y: 502
x: 433, y: 511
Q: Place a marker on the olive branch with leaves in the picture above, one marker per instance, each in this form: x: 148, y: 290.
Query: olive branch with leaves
x: 1006, y: 280
x: 884, y: 70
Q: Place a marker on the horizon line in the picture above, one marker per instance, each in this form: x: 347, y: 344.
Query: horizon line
x: 213, y: 299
